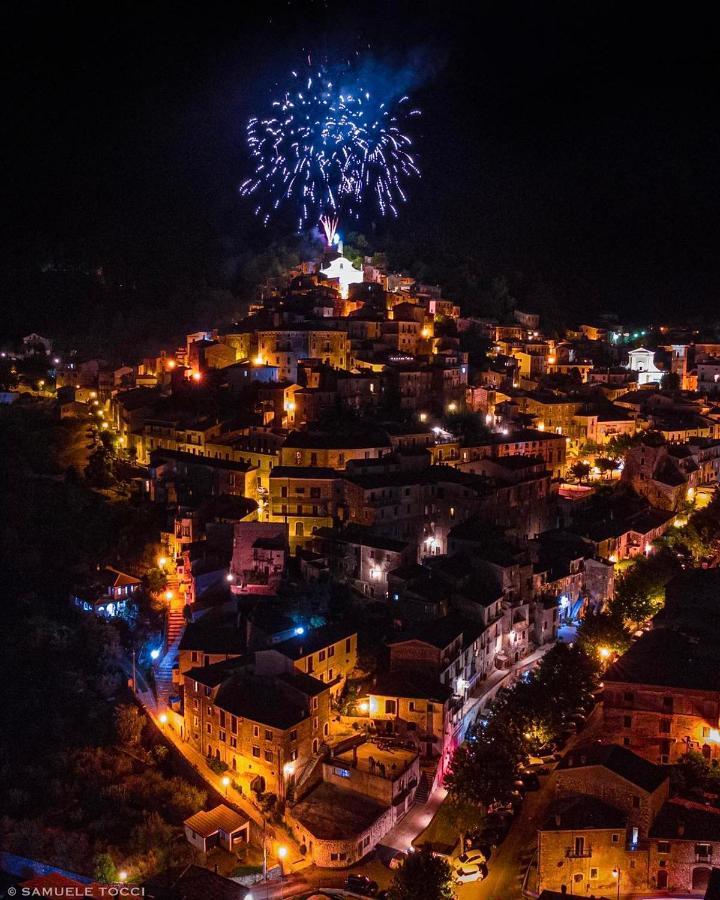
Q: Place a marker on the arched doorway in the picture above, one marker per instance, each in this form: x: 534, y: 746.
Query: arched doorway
x: 662, y: 879
x: 700, y: 878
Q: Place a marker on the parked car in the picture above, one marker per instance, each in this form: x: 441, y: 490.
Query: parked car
x: 530, y: 781
x: 397, y: 859
x: 470, y: 872
x: 361, y: 884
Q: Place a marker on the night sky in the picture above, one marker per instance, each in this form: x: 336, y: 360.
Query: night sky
x: 574, y: 143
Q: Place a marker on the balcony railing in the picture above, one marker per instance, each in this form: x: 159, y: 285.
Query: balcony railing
x: 575, y: 853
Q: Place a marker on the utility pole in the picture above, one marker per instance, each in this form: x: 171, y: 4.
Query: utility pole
x: 134, y: 681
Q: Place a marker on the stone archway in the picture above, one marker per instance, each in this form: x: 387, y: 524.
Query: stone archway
x: 662, y: 879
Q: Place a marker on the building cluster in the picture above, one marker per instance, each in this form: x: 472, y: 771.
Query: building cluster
x: 355, y: 432
x: 616, y: 815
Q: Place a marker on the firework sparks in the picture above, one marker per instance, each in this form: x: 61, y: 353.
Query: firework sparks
x: 326, y: 149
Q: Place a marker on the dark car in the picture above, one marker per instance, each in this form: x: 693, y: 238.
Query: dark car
x: 361, y: 884
x: 530, y: 781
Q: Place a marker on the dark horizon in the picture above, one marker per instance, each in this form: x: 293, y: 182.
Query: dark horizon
x: 572, y: 151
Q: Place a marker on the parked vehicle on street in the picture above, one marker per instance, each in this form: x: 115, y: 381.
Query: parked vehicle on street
x: 361, y: 884
x: 470, y: 872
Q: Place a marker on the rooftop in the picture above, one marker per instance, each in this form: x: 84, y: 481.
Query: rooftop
x: 669, y: 659
x: 318, y: 812
x: 620, y: 760
x: 312, y: 640
x: 395, y: 761
x: 220, y: 818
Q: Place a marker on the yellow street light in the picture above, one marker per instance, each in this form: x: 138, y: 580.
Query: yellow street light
x: 162, y: 561
x: 122, y: 875
x: 226, y: 783
x: 169, y: 595
x: 604, y: 652
x: 282, y: 852
x: 163, y: 718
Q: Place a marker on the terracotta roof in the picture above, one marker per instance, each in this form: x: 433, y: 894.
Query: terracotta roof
x: 221, y: 818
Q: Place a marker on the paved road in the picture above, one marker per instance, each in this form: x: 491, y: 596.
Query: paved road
x: 509, y: 863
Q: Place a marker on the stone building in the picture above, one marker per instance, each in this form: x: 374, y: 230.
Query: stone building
x: 662, y: 697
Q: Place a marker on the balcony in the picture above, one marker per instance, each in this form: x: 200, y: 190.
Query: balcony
x: 577, y: 853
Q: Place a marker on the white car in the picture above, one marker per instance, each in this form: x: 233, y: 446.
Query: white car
x: 470, y: 872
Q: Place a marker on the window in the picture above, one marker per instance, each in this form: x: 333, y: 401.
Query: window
x: 316, y: 723
x: 233, y: 724
x: 268, y: 756
x: 411, y: 706
x: 579, y: 845
x: 256, y: 752
x: 636, y: 801
x: 341, y: 773
x: 233, y: 743
x: 208, y: 728
x: 222, y: 718
x: 268, y: 735
x: 616, y: 839
x: 663, y: 847
x: 390, y: 707
x: 628, y: 697
x: 293, y: 735
x: 315, y: 703
x: 222, y: 735
x: 703, y: 851
x: 626, y: 742
x: 664, y: 726
x: 196, y: 721
x: 593, y: 874
x: 668, y: 703
x: 256, y: 731
x: 331, y: 650
x: 348, y: 644
x: 194, y: 657
x: 321, y: 656
x: 627, y: 721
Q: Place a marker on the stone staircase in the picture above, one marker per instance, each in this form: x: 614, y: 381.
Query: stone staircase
x: 174, y: 630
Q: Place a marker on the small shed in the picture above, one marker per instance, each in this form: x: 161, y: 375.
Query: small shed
x: 218, y: 827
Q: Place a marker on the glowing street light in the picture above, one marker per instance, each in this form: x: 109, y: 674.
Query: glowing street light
x: 122, y: 875
x: 229, y: 577
x: 154, y: 654
x: 197, y: 376
x: 226, y: 783
x: 364, y: 706
x: 169, y: 595
x: 162, y: 562
x: 604, y: 652
x: 163, y: 718
x: 282, y: 852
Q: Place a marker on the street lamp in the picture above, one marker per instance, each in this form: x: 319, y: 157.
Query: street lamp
x: 162, y: 562
x: 226, y: 784
x: 616, y: 873
x: 163, y: 719
x: 169, y: 595
x: 122, y: 875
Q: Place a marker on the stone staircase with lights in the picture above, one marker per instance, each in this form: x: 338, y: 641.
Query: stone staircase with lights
x: 174, y: 630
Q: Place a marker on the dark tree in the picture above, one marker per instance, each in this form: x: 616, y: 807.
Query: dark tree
x: 422, y: 876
